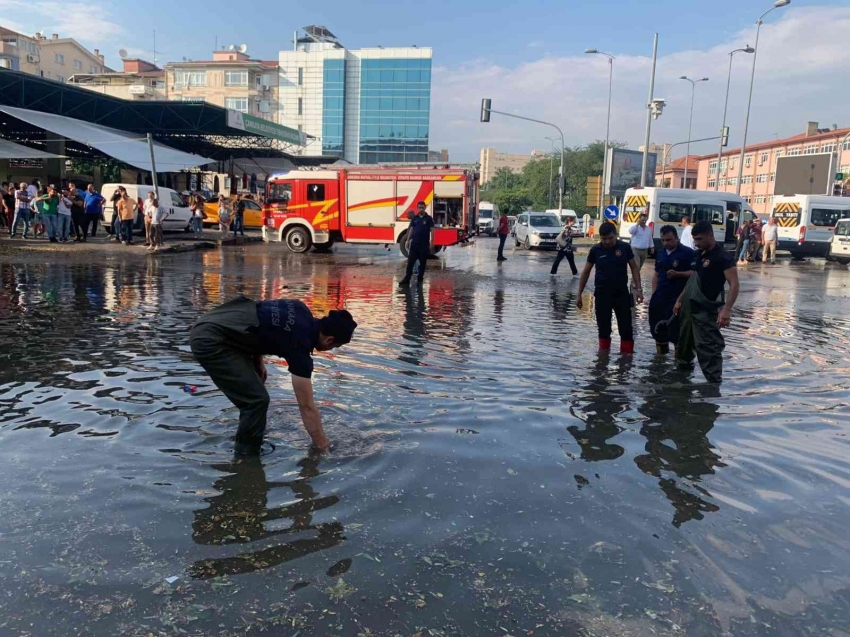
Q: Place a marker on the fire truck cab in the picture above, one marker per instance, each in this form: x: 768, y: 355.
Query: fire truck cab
x: 305, y: 209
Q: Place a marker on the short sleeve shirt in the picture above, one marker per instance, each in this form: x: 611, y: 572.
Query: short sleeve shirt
x: 711, y: 268
x: 679, y: 261
x: 287, y: 329
x: 611, y: 265
x: 51, y: 206
x: 93, y: 200
x: 420, y: 230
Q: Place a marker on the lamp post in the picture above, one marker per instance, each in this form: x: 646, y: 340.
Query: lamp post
x: 672, y: 146
x: 611, y: 59
x: 551, y: 168
x: 776, y: 5
x: 485, y: 117
x: 690, y: 122
x: 653, y: 109
x: 723, y: 135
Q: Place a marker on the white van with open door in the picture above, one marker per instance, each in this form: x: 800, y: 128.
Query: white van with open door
x: 668, y: 206
x: 807, y: 223
x: 839, y: 249
x: 179, y: 214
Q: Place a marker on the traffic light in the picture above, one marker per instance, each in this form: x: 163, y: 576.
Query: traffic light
x: 838, y: 189
x: 485, y: 110
x: 724, y: 136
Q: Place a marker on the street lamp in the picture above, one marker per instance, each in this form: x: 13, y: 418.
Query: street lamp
x: 551, y: 162
x: 690, y: 121
x: 724, y: 136
x: 776, y: 5
x: 611, y: 59
x: 654, y: 107
x: 485, y: 117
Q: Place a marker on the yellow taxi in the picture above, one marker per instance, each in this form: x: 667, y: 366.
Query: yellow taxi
x: 253, y: 213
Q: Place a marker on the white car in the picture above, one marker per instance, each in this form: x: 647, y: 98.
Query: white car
x: 839, y: 249
x: 179, y: 214
x: 537, y: 230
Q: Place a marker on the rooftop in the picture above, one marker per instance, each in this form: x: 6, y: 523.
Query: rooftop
x: 802, y: 138
x: 679, y: 164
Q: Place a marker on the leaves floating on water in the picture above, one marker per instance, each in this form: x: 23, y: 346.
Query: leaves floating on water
x: 340, y: 590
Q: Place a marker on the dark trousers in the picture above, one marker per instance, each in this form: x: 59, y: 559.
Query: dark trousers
x: 233, y: 372
x: 127, y: 231
x: 420, y: 254
x: 563, y: 254
x: 89, y: 222
x: 661, y: 309
x: 620, y: 303
x: 78, y: 218
x: 502, y: 239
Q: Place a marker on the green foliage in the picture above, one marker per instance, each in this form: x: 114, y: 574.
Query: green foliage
x: 530, y: 188
x: 110, y: 167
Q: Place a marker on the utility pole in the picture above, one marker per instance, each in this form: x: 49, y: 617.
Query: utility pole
x: 649, y: 113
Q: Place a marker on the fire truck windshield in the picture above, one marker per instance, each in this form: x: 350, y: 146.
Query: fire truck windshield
x: 279, y: 193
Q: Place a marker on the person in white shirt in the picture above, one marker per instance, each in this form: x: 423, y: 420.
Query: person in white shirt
x: 769, y: 237
x: 64, y: 218
x: 158, y: 215
x: 641, y: 241
x: 149, y: 209
x: 686, y: 239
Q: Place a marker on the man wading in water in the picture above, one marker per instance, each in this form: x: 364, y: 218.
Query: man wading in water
x: 229, y: 342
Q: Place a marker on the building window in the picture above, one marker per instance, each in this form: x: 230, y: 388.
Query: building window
x: 811, y: 149
x: 770, y: 199
x: 780, y: 153
x: 773, y: 176
x: 60, y: 78
x: 748, y: 199
x: 761, y: 198
x: 761, y: 178
x: 712, y: 167
x: 300, y: 105
x: 846, y: 145
x: 237, y: 104
x: 733, y: 181
x: 795, y: 151
x: 746, y: 179
x: 763, y: 158
x: 845, y: 169
x: 300, y: 76
x: 712, y: 183
x: 723, y: 181
x: 236, y: 78
x: 828, y: 148
x: 78, y: 65
x: 59, y: 58
x: 723, y: 164
x: 160, y: 84
x: 748, y: 161
x: 190, y: 78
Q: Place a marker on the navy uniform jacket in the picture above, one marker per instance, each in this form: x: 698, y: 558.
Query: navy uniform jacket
x: 680, y: 261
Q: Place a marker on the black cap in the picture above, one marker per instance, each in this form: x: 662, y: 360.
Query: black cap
x: 339, y: 324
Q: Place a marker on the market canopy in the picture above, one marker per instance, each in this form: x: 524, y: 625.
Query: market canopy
x: 125, y: 147
x: 11, y: 150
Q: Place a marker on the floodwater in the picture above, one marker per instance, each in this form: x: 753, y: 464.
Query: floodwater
x: 493, y: 474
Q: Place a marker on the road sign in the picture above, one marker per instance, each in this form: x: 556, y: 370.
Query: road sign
x: 612, y: 212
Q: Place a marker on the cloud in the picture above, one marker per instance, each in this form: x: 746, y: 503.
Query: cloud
x: 802, y: 53
x: 87, y: 22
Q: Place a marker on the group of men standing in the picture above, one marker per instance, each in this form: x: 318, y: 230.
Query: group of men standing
x: 59, y: 213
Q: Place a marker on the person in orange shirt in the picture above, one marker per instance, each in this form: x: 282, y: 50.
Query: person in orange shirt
x: 127, y: 213
x: 591, y: 231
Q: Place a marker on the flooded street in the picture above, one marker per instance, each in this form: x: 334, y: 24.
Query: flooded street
x: 493, y: 475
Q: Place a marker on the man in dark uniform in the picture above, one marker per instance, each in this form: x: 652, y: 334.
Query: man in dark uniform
x: 420, y: 242
x: 700, y: 313
x: 230, y: 341
x: 672, y: 270
x: 611, y: 257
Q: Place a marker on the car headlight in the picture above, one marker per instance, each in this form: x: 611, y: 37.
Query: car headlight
x: 535, y: 232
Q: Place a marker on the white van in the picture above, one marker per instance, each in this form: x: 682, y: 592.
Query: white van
x: 537, y: 230
x: 179, y: 213
x: 839, y: 249
x: 668, y: 206
x: 807, y: 222
x: 569, y: 214
x: 488, y: 218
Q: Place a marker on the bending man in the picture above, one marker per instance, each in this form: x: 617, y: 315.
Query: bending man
x: 611, y: 256
x: 230, y: 341
x: 701, y: 314
x: 672, y: 270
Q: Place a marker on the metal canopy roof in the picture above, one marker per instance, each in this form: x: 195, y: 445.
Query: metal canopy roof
x: 196, y: 128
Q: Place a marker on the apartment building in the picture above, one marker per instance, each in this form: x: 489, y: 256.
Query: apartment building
x: 672, y: 174
x: 759, y: 173
x: 231, y: 79
x: 492, y: 160
x: 139, y: 80
x: 53, y: 58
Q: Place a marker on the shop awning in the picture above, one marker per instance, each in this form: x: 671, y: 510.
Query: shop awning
x: 11, y: 150
x: 123, y: 146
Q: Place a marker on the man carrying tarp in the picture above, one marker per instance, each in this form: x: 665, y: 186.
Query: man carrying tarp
x: 701, y: 314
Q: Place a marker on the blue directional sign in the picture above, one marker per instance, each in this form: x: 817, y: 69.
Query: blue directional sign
x: 612, y: 212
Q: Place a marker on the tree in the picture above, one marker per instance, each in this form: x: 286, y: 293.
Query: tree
x: 513, y: 201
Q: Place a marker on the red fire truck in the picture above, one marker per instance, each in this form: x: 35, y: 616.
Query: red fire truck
x: 367, y: 204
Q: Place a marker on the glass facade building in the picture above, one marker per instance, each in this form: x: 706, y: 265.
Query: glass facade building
x: 395, y: 102
x: 333, y: 108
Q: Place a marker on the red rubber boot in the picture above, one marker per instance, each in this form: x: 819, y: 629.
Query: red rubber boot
x: 627, y: 347
x: 604, y: 344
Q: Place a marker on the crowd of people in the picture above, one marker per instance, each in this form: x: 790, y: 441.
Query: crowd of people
x: 57, y: 214
x: 757, y: 242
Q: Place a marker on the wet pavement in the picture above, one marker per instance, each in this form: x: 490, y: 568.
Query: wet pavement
x: 493, y: 475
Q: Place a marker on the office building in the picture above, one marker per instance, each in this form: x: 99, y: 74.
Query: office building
x: 492, y: 160
x: 759, y: 174
x: 367, y: 105
x: 52, y: 58
x: 231, y: 79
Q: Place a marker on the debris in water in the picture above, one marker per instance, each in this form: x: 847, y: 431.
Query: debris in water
x: 172, y: 579
x: 340, y: 590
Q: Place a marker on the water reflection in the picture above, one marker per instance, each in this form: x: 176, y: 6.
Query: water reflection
x: 241, y: 515
x: 414, y: 332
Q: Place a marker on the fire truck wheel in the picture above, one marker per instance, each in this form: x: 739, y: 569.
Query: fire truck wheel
x: 298, y: 240
x: 436, y: 251
x: 402, y: 245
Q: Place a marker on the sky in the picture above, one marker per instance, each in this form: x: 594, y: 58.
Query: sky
x: 528, y: 57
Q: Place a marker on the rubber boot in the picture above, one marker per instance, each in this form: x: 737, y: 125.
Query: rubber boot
x: 662, y: 348
x: 627, y: 347
x: 604, y: 344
